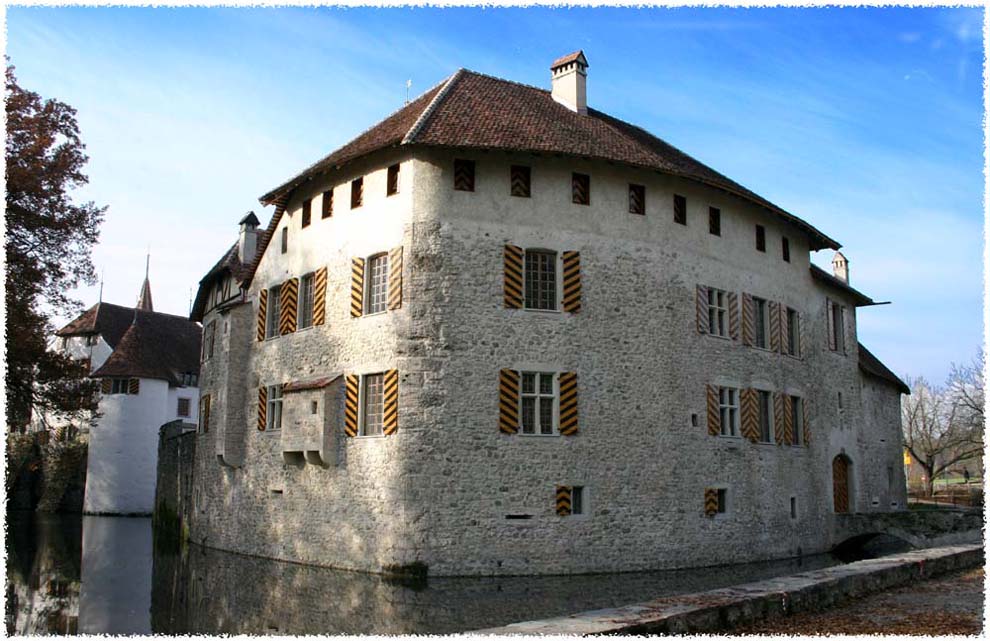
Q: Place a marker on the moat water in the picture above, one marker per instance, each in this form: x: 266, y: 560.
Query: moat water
x: 94, y: 575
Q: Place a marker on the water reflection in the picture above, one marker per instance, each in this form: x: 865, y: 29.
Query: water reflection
x: 116, y: 576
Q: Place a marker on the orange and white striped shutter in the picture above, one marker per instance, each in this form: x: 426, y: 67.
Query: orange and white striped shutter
x: 262, y: 408
x: 395, y: 278
x: 568, y: 404
x: 508, y: 401
x: 320, y: 296
x: 733, y: 316
x: 701, y: 308
x: 390, y: 420
x: 357, y: 287
x: 288, y: 308
x: 714, y: 419
x: 262, y: 313
x: 512, y: 275
x: 572, y: 282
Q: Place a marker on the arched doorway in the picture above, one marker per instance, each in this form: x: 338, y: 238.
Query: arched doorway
x: 840, y: 483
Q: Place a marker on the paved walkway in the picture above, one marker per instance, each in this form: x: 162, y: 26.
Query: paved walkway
x: 951, y: 604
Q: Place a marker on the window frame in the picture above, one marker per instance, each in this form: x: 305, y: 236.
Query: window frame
x: 178, y: 406
x: 680, y: 209
x: 641, y: 190
x: 273, y: 408
x: 285, y: 239
x: 764, y: 416
x: 357, y: 192
x: 363, y: 401
x: 793, y: 332
x: 119, y: 385
x: 554, y: 260
x: 728, y: 406
x: 526, y: 171
x: 273, y: 312
x: 722, y: 498
x: 392, y: 180
x: 715, y: 221
x: 326, y: 206
x: 471, y: 167
x: 576, y: 179
x: 761, y: 239
x: 209, y: 339
x: 307, y: 213
x: 304, y: 313
x: 797, y: 421
x: 785, y: 249
x: 718, y: 312
x: 761, y: 323
x: 540, y: 397
x: 370, y: 287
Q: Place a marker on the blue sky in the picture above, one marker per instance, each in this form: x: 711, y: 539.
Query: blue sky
x: 865, y: 122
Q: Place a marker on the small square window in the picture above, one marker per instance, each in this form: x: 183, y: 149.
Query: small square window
x: 718, y: 309
x: 723, y: 500
x: 313, y: 407
x: 714, y: 221
x: 793, y: 507
x: 327, y: 207
x: 637, y: 199
x: 392, y: 186
x: 357, y: 192
x: 761, y: 238
x: 463, y: 174
x: 183, y: 407
x: 307, y: 212
x: 680, y: 209
x: 728, y: 410
x: 285, y: 239
x: 580, y: 189
x: 785, y: 249
x: 519, y: 181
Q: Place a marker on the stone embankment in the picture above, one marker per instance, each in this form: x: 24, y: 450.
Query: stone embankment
x: 727, y: 608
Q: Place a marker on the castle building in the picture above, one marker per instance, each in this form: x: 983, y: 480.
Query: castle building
x: 148, y: 366
x: 502, y: 332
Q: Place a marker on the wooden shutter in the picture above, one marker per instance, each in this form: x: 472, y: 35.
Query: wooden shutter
x: 320, y: 296
x: 519, y: 181
x: 512, y: 274
x: 563, y: 500
x: 106, y: 385
x: 463, y: 175
x: 701, y: 309
x: 205, y: 401
x: 508, y: 401
x: 262, y: 313
x: 390, y: 420
x: 780, y: 418
x: 785, y: 347
x: 711, y: 501
x: 357, y: 287
x: 714, y: 418
x: 572, y: 282
x: 289, y: 295
x: 351, y: 386
x: 395, y: 278
x: 568, y: 404
x: 807, y: 424
x: 774, y: 325
x: 748, y: 320
x: 133, y: 386
x: 733, y: 316
x: 262, y: 408
x: 829, y: 324
x: 749, y: 408
x: 788, y: 419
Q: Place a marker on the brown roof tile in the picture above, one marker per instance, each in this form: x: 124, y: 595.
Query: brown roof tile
x: 106, y: 319
x: 155, y: 345
x: 571, y: 57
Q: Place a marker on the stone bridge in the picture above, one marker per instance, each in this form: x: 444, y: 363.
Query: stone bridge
x: 920, y: 528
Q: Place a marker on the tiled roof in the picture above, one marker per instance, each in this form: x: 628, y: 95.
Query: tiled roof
x: 155, y: 345
x: 106, y: 319
x: 231, y: 262
x: 871, y: 365
x: 571, y: 57
x: 859, y: 298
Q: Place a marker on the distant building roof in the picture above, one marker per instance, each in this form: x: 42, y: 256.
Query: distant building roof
x: 871, y: 365
x: 229, y: 262
x: 155, y: 345
x: 106, y: 319
x: 860, y: 299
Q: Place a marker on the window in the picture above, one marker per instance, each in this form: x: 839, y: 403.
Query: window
x: 392, y: 183
x: 680, y: 209
x: 306, y: 301
x: 541, y: 279
x: 463, y: 174
x: 273, y: 419
x: 189, y: 379
x: 580, y: 189
x: 766, y: 420
x: 728, y: 407
x: 717, y: 312
x: 538, y: 403
x: 519, y: 181
x: 793, y: 507
x: 307, y: 212
x: 797, y: 420
x: 118, y: 385
x: 838, y: 328
x: 577, y: 500
x: 793, y: 332
x: 785, y: 248
x: 313, y: 407
x: 327, y: 209
x: 183, y: 407
x: 357, y: 192
x: 761, y: 238
x: 723, y: 500
x: 373, y: 405
x: 274, y: 303
x: 285, y: 239
x: 209, y: 336
x: 376, y: 294
x: 714, y: 221
x: 637, y: 199
x: 761, y: 321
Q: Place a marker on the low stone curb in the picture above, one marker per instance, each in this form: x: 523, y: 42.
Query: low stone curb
x: 726, y: 608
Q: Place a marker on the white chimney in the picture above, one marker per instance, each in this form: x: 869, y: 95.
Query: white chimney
x: 840, y: 267
x: 570, y: 79
x: 247, y: 244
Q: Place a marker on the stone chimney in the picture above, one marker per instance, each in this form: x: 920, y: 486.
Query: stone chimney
x: 247, y: 245
x: 570, y: 78
x: 840, y: 267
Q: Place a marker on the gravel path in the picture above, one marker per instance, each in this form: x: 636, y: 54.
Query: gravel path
x: 948, y: 605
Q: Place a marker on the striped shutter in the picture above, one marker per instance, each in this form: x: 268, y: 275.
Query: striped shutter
x: 572, y: 282
x: 774, y: 325
x: 733, y: 316
x: 750, y: 414
x: 320, y: 296
x: 568, y: 404
x: 807, y: 425
x: 262, y: 313
x: 714, y: 420
x: 289, y: 295
x: 748, y: 321
x: 563, y: 500
x: 395, y: 278
x: 106, y: 385
x: 788, y: 419
x: 351, y: 383
x: 390, y: 421
x: 508, y: 401
x: 711, y: 501
x: 830, y: 324
x: 133, y: 386
x: 784, y: 330
x: 357, y: 287
x: 701, y: 308
x: 205, y: 401
x: 512, y: 274
x: 780, y: 418
x: 262, y: 408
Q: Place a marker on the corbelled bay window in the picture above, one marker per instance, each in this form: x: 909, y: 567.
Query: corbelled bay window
x: 376, y: 293
x: 541, y: 279
x: 538, y: 403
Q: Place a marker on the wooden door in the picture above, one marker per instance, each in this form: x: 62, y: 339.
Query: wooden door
x: 840, y: 483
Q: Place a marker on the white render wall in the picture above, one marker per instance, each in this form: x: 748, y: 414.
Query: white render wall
x: 76, y: 348
x: 439, y: 490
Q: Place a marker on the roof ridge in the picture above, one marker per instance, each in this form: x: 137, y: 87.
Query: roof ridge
x: 448, y: 84
x: 507, y: 81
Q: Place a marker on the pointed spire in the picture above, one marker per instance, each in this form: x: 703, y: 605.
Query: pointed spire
x: 144, y: 299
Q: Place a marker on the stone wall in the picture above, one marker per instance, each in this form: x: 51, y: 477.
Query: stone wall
x: 174, y: 477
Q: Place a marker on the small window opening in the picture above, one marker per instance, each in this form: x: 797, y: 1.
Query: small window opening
x: 327, y: 210
x: 714, y: 221
x: 580, y: 189
x: 313, y: 407
x: 392, y: 186
x: 694, y: 420
x: 357, y: 192
x: 680, y: 209
x: 785, y: 248
x: 463, y: 174
x: 637, y: 199
x: 307, y: 212
x: 722, y: 501
x: 518, y: 517
x: 285, y: 239
x: 761, y: 238
x: 577, y: 500
x: 519, y: 181
x: 793, y: 507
